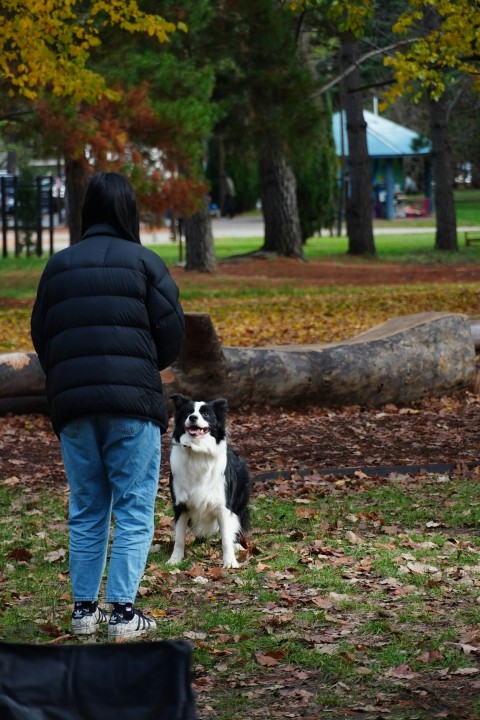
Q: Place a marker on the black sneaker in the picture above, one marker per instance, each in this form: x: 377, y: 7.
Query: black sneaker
x: 127, y: 622
x: 86, y: 618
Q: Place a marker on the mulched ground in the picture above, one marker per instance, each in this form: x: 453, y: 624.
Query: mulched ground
x: 287, y: 443
x: 286, y: 452
x: 345, y: 271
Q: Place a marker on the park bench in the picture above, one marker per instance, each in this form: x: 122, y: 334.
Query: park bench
x: 472, y: 236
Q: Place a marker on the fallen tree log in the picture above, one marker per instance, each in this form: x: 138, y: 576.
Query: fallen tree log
x: 22, y: 384
x: 405, y: 359
x: 21, y: 375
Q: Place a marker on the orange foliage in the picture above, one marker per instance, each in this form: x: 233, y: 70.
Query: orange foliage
x: 114, y: 135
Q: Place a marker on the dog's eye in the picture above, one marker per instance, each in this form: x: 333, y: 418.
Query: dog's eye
x: 205, y: 414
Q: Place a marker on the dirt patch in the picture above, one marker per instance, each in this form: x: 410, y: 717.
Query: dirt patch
x: 276, y: 441
x: 343, y: 272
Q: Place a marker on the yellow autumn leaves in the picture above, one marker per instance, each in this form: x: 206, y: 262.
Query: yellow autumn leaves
x: 300, y: 318
x: 326, y: 316
x: 431, y: 56
x: 46, y: 43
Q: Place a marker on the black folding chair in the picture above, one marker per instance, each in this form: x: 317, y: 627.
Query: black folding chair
x: 127, y: 681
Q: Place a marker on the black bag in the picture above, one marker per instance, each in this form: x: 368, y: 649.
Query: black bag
x: 128, y: 681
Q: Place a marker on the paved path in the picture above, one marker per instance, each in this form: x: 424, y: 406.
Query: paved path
x: 252, y: 226
x: 417, y: 230
x: 239, y: 226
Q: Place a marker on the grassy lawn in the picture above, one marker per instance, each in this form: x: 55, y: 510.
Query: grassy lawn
x: 401, y: 247
x: 250, y: 311
x: 355, y: 596
x: 358, y: 598
x: 252, y: 314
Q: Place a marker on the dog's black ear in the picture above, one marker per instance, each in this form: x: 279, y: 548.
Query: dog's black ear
x: 179, y: 400
x: 220, y: 405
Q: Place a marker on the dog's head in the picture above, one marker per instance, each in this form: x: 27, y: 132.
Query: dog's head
x: 196, y: 420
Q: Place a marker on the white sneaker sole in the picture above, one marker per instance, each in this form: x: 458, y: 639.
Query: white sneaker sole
x: 85, y: 629
x: 119, y: 631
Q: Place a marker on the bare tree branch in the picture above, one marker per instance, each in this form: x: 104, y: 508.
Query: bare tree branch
x: 361, y: 60
x: 15, y: 114
x: 382, y: 83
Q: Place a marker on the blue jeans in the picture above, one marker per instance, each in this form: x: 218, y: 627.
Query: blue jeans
x: 112, y: 465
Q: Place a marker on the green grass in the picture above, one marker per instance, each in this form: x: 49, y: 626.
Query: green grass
x: 404, y: 247
x: 467, y: 205
x: 19, y: 276
x: 338, y: 611
x: 407, y: 248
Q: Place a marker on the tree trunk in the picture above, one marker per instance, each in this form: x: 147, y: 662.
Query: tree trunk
x: 359, y: 202
x: 446, y: 227
x: 200, y: 253
x: 446, y: 230
x: 279, y: 202
x: 76, y: 181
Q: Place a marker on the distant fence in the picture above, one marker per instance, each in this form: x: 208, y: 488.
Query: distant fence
x: 27, y: 212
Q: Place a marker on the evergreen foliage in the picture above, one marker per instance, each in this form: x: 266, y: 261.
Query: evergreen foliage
x: 315, y: 168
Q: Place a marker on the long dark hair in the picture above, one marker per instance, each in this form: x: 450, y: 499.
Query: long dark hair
x: 111, y: 199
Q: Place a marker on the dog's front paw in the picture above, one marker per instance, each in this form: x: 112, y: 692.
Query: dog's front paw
x: 229, y: 562
x: 175, y: 559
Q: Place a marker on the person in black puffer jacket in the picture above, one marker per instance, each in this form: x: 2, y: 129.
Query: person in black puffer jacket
x: 106, y: 320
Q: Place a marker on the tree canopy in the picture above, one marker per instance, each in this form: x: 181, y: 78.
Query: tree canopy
x: 430, y: 61
x: 249, y: 73
x: 46, y: 44
x: 444, y: 44
x: 149, y: 121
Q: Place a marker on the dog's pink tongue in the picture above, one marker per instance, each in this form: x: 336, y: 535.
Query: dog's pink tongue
x: 195, y: 431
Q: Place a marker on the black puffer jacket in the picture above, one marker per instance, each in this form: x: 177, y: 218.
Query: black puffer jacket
x: 106, y: 319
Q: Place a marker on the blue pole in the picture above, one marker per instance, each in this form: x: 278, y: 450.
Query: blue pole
x: 389, y: 188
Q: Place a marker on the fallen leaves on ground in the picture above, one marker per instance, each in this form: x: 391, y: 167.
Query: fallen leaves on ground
x: 254, y: 303
x: 288, y: 453
x: 279, y: 442
x: 292, y: 449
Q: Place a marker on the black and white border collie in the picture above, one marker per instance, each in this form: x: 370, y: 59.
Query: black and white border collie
x: 209, y: 482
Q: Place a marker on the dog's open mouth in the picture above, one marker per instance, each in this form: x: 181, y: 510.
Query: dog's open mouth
x: 196, y: 431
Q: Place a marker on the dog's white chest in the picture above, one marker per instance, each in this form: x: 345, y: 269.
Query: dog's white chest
x: 199, y: 483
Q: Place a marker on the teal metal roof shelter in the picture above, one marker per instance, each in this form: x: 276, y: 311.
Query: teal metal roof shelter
x: 387, y: 143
